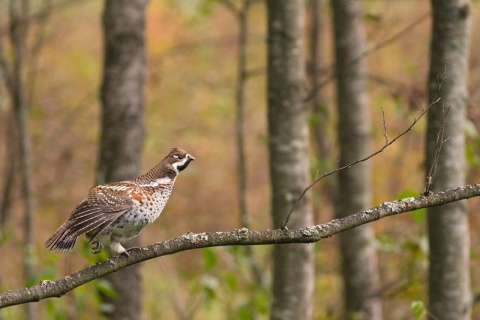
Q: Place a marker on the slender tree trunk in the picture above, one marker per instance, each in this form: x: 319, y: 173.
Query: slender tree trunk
x: 319, y: 106
x: 19, y: 10
x: 359, y: 262
x: 240, y: 133
x: 240, y: 113
x: 293, y: 275
x: 122, y: 125
x: 449, y: 279
x: 9, y: 172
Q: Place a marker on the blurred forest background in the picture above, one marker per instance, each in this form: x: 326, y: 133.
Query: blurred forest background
x: 192, y: 50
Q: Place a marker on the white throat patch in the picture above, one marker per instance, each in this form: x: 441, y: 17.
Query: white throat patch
x: 157, y: 182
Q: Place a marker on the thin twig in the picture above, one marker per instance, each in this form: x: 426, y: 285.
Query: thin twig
x: 384, y: 126
x: 435, y: 100
x: 439, y: 144
x: 332, y: 74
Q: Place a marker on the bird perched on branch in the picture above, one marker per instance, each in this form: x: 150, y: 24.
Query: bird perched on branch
x: 116, y: 212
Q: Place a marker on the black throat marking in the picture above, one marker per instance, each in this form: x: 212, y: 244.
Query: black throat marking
x: 183, y: 166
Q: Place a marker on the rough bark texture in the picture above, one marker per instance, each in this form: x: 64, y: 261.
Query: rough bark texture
x: 359, y: 262
x: 293, y: 276
x: 122, y: 125
x: 449, y: 280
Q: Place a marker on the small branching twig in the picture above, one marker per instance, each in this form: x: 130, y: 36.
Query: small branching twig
x: 439, y: 144
x: 384, y: 126
x: 388, y: 143
x: 376, y: 47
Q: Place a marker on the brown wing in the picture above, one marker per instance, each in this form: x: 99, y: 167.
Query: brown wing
x: 103, y: 205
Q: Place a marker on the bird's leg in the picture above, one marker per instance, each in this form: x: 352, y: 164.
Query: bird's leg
x: 117, y: 247
x: 96, y: 246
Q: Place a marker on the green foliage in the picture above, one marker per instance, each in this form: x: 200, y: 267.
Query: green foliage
x: 225, y: 288
x: 375, y: 17
x: 105, y: 287
x: 209, y: 259
x: 472, y: 147
x: 231, y: 281
x: 418, y: 310
x: 30, y: 260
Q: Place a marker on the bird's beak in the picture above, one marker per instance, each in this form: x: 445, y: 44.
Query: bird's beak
x: 189, y: 156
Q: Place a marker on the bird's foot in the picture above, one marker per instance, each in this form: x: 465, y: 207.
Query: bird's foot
x: 126, y: 251
x: 96, y: 246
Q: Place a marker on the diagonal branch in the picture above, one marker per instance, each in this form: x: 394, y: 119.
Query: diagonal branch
x: 387, y: 144
x: 49, y: 289
x: 349, y: 165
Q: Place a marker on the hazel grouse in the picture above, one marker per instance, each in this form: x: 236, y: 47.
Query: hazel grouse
x: 116, y: 212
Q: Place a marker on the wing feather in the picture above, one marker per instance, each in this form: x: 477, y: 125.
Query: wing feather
x: 103, y: 205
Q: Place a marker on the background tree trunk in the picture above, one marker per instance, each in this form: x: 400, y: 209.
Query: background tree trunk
x: 122, y: 125
x: 19, y: 11
x: 449, y: 279
x: 320, y: 110
x: 293, y: 275
x: 359, y: 262
x: 242, y: 17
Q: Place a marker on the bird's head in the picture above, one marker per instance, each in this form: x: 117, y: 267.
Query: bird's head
x: 178, y: 159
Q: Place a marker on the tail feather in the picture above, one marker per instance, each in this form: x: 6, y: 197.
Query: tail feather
x: 62, y: 240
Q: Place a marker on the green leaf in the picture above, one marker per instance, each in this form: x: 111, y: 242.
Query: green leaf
x: 245, y: 312
x: 106, y: 288
x: 470, y: 129
x: 418, y: 309
x: 373, y: 17
x: 262, y: 302
x: 209, y: 258
x: 471, y: 154
x: 231, y: 281
x: 209, y: 286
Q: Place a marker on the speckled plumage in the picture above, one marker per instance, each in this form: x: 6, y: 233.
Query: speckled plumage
x: 116, y: 212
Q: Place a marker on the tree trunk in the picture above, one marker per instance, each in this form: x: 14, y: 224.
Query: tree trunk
x: 293, y: 275
x: 320, y: 111
x: 359, y: 262
x: 449, y: 280
x: 242, y: 16
x: 9, y: 172
x: 19, y: 11
x: 122, y: 125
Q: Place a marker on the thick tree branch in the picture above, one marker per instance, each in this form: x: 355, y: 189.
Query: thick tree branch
x: 47, y: 289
